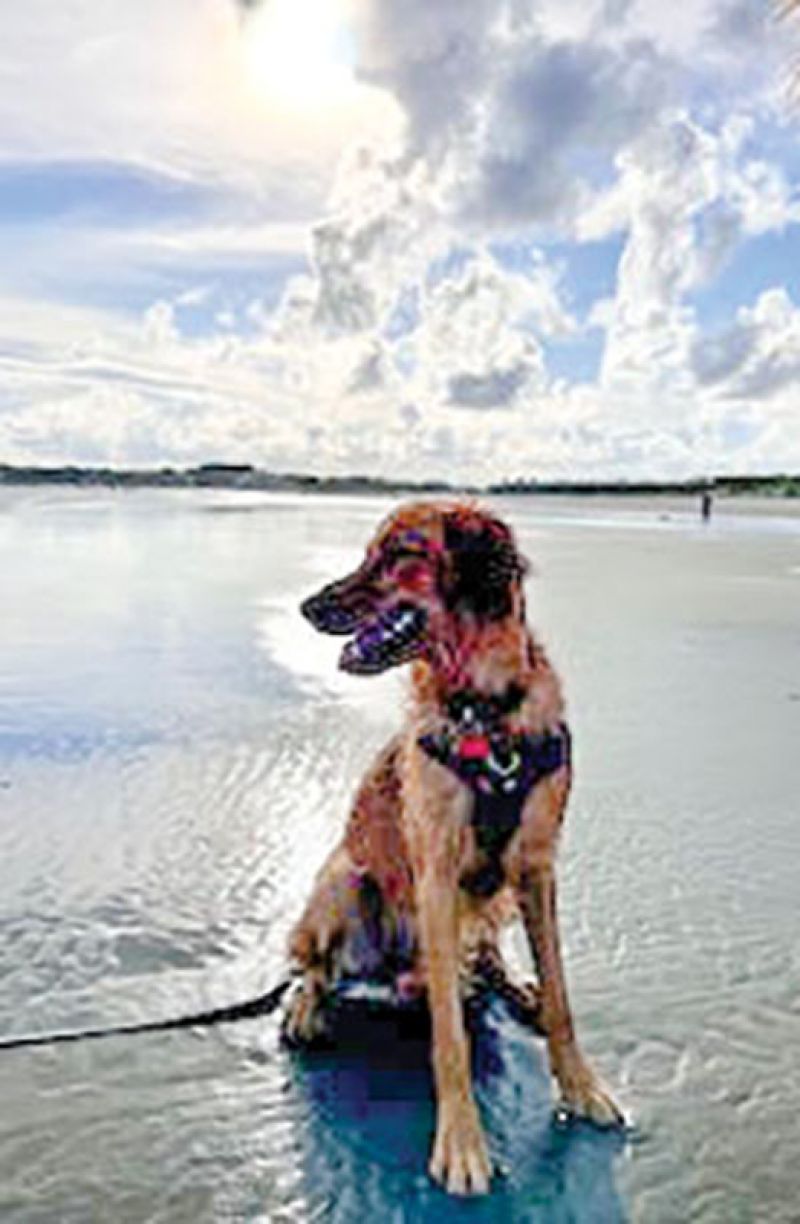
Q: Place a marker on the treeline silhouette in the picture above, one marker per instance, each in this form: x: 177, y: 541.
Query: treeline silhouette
x: 246, y: 476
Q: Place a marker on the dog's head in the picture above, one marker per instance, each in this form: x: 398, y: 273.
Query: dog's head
x: 428, y: 564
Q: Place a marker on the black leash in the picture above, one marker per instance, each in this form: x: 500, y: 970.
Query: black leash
x: 264, y: 1005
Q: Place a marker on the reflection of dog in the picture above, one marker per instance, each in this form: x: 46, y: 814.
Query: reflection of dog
x: 454, y: 829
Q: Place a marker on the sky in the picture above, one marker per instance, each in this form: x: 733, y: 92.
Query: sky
x: 475, y: 240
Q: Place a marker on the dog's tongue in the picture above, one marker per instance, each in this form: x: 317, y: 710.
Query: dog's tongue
x: 358, y: 661
x: 383, y: 642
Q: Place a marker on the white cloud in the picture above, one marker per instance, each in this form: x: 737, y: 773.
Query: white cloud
x: 558, y: 111
x: 165, y: 86
x: 666, y: 178
x: 470, y: 351
x: 436, y: 59
x: 758, y: 355
x: 410, y: 343
x: 504, y: 101
x: 687, y: 198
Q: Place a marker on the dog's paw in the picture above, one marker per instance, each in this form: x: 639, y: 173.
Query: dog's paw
x: 460, y: 1159
x: 304, y: 1021
x: 584, y: 1096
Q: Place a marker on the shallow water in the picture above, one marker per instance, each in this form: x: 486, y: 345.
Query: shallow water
x: 177, y: 751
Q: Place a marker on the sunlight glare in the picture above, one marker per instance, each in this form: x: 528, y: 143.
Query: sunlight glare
x: 297, y: 53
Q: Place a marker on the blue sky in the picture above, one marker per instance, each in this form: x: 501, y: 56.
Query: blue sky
x: 477, y: 242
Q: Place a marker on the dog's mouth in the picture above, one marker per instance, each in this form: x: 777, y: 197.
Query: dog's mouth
x: 393, y: 636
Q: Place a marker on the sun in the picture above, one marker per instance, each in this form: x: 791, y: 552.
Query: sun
x: 298, y: 53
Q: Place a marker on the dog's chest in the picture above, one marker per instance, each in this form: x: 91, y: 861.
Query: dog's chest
x: 495, y: 767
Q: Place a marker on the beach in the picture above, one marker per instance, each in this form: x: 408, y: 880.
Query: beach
x: 177, y: 752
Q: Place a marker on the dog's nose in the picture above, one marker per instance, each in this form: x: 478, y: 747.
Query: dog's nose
x: 313, y: 609
x: 326, y: 615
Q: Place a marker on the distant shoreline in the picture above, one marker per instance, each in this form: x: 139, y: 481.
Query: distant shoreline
x: 247, y: 477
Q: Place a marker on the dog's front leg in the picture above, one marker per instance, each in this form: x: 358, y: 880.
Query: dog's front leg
x: 459, y: 1159
x: 436, y: 813
x: 582, y: 1093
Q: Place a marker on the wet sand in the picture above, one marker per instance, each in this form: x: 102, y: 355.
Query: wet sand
x: 176, y: 753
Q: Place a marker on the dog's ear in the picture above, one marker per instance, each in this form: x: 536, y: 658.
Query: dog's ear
x: 483, y: 565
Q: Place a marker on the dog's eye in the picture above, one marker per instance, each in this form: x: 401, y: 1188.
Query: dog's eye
x: 411, y: 568
x: 401, y: 556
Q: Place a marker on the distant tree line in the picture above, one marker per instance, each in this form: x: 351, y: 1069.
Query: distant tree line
x: 246, y: 476
x: 773, y: 486
x: 206, y: 475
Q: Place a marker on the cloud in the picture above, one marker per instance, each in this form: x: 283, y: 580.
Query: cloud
x: 471, y: 351
x: 370, y: 371
x: 435, y: 59
x: 496, y: 387
x: 505, y: 108
x: 758, y: 355
x: 687, y: 197
x: 666, y: 178
x: 375, y: 288
x: 513, y: 123
x: 716, y: 356
x: 165, y: 88
x: 557, y: 111
x: 381, y: 233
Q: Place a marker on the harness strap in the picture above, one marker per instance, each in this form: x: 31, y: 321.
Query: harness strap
x: 501, y: 770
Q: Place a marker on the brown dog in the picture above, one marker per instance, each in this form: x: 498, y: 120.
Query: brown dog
x: 455, y: 827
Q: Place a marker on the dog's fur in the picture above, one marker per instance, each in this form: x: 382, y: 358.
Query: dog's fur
x: 392, y: 889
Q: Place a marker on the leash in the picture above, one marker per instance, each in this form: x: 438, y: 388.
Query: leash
x: 264, y: 1005
x: 500, y: 769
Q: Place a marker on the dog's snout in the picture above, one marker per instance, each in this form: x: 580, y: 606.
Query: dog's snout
x: 322, y: 614
x: 310, y: 608
x: 327, y: 614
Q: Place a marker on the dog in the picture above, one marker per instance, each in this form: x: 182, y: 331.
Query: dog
x: 454, y: 829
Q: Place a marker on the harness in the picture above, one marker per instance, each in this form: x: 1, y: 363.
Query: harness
x: 499, y: 766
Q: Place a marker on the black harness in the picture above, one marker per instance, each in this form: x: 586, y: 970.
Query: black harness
x: 499, y: 766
